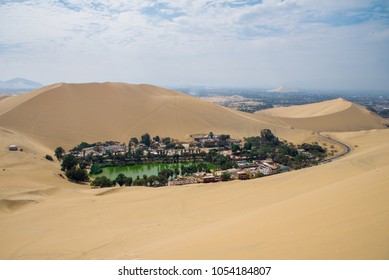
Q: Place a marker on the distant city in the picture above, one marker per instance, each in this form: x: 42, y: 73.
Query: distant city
x: 251, y: 100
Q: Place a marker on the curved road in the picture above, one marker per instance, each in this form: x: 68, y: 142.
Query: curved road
x: 347, y: 148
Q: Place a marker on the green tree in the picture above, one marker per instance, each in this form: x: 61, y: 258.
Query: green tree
x: 128, y: 181
x: 77, y: 174
x: 139, y: 182
x: 166, y: 141
x: 138, y: 155
x: 68, y: 162
x: 247, y: 146
x: 225, y: 176
x: 166, y: 172
x: 153, y: 181
x: 102, y: 182
x: 176, y: 158
x: 145, y: 139
x: 268, y: 136
x: 59, y: 153
x: 121, y: 179
x: 235, y: 148
x: 134, y: 140
x: 95, y: 169
x: 162, y: 180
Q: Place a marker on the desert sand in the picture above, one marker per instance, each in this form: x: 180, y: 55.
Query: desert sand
x: 333, y: 115
x: 338, y: 210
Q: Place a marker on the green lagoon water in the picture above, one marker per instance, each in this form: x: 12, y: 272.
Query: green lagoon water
x: 140, y: 169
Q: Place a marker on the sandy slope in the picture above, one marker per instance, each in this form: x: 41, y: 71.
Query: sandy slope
x: 338, y: 210
x: 310, y: 110
x: 66, y: 114
x: 332, y: 115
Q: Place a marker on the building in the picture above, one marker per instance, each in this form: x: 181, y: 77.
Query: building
x: 13, y: 148
x: 114, y: 149
x: 242, y: 175
x: 265, y: 170
x: 210, y: 179
x: 275, y: 168
x: 197, y: 137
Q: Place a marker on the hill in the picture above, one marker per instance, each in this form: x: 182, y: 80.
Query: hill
x: 332, y: 115
x: 283, y: 89
x: 66, y: 114
x: 18, y: 85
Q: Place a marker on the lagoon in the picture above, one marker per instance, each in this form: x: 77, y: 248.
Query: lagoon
x: 141, y: 169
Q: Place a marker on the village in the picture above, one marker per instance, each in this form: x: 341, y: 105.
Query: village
x: 230, y: 159
x: 245, y: 171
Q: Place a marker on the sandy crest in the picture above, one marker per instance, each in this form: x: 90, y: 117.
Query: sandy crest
x: 310, y: 110
x: 334, y: 115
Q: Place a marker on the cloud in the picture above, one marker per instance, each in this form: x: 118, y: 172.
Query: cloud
x: 255, y: 43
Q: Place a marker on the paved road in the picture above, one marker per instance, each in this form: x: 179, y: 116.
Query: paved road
x: 347, y: 148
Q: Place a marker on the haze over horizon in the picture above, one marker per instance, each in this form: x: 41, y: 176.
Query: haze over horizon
x: 296, y: 43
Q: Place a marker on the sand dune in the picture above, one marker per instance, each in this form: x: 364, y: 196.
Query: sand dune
x: 66, y: 114
x: 333, y: 115
x: 337, y: 210
x: 333, y: 211
x: 310, y: 110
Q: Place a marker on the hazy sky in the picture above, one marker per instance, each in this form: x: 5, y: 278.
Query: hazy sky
x: 322, y: 44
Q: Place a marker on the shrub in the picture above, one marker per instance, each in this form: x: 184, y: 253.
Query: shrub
x: 48, y: 157
x: 225, y: 176
x: 121, y: 179
x: 77, y: 174
x: 95, y: 169
x: 128, y: 181
x: 102, y: 182
x: 59, y: 153
x: 68, y: 162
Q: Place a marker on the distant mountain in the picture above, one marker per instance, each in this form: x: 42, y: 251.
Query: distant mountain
x: 283, y: 89
x: 18, y: 85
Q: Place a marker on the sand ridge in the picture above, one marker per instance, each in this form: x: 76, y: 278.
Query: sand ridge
x: 310, y: 110
x: 333, y: 115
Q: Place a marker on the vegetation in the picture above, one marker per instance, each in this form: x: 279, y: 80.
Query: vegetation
x: 149, y: 149
x: 73, y: 167
x: 95, y: 169
x: 69, y: 161
x: 59, y: 153
x: 145, y: 139
x: 102, y: 182
x: 267, y: 145
x: 48, y: 157
x: 225, y: 176
x: 77, y: 174
x: 82, y: 146
x: 121, y: 179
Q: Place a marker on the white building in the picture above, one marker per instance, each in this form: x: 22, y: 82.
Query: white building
x: 13, y: 148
